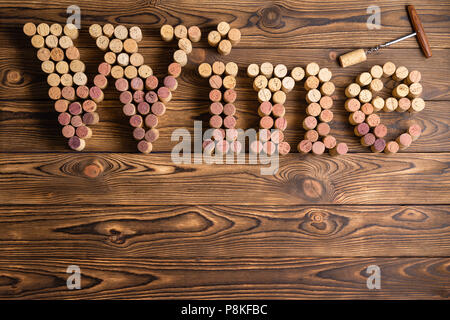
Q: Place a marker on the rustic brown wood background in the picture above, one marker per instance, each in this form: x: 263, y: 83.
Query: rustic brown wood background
x: 146, y: 228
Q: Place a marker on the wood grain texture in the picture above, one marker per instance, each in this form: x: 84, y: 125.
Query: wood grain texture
x: 128, y: 178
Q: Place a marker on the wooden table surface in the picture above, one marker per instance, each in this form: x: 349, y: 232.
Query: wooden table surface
x: 148, y: 228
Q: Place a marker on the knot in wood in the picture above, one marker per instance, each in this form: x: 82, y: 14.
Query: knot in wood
x: 93, y: 170
x: 13, y: 76
x: 271, y: 16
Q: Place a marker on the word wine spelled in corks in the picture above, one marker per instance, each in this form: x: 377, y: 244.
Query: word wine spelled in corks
x: 145, y: 97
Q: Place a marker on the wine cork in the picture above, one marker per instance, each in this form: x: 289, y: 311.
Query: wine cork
x: 130, y: 72
x: 151, y: 97
x: 136, y: 121
x: 152, y: 135
x: 324, y: 75
x: 53, y: 80
x: 329, y: 142
x: 229, y: 95
x: 96, y: 94
x: 167, y: 32
x: 84, y: 132
x: 117, y: 72
x: 216, y: 108
x: 136, y: 33
x: 64, y: 118
x: 100, y: 81
x: 277, y: 136
x: 352, y: 58
x: 253, y: 70
x: 265, y: 109
x: 208, y: 146
x: 151, y: 83
x: 80, y: 79
x: 222, y: 147
x: 229, y: 82
x: 180, y: 31
x: 43, y: 54
x: 266, y: 122
x: 57, y: 54
x: 229, y: 122
x: 352, y: 90
x: 43, y: 29
x: 143, y: 108
x: 373, y: 120
x: 76, y: 143
x: 66, y: 80
x: 376, y: 85
x: 164, y: 94
x: 313, y: 96
x: 130, y: 46
x: 260, y: 82
x: 171, y: 83
x: 377, y: 103
x: 121, y: 32
x: 48, y: 66
x: 264, y: 95
x: 326, y: 102
x: 380, y: 131
x: 174, y: 69
x: 218, y: 134
x: 298, y: 73
x: 311, y: 135
x: 391, y: 147
x: 102, y: 42
x: 361, y: 129
x: 139, y: 133
x: 318, y: 148
x: 313, y: 109
x: 137, y: 60
x: 95, y: 30
x: 123, y: 59
x: 68, y: 93
x: 279, y: 97
x: 89, y: 106
x: 76, y: 121
x: 116, y: 45
x: 365, y: 96
x: 280, y: 71
x: 323, y: 129
x: 287, y: 84
x: 312, y: 69
x: 367, y: 108
x: 390, y: 104
x: 103, y: 68
x: 215, y: 95
x: 274, y: 84
x: 61, y: 105
x: 280, y: 123
x: 309, y: 123
x: 278, y: 110
x: 284, y: 148
x: 415, y: 90
x: 54, y: 93
x: 327, y: 88
x: 129, y: 109
x: 413, y: 77
x: 269, y: 148
x: 71, y: 31
x: 223, y: 28
x: 37, y: 41
x: 305, y: 146
x: 266, y: 69
x: 68, y: 131
x: 51, y: 41
x: 378, y: 145
x: 62, y: 67
x: 144, y: 147
x: 65, y: 42
x: 400, y: 73
x: 264, y: 135
x: 214, y: 38
x: 205, y: 70
x: 229, y: 109
x: 368, y: 140
x: 234, y: 36
x: 356, y: 117
x: 312, y: 82
x: 340, y: 149
x: 138, y: 96
x: 256, y: 146
x: 400, y: 91
x: 364, y: 79
x: 403, y: 105
x: 326, y: 115
x: 404, y: 140
x: 194, y: 34
x: 90, y: 118
x: 215, y: 82
x: 145, y: 71
x: 414, y: 131
x: 180, y: 57
x: 215, y: 121
x: 29, y: 29
x: 388, y: 69
x: 185, y: 44
x: 417, y: 105
x: 224, y: 47
x: 376, y: 72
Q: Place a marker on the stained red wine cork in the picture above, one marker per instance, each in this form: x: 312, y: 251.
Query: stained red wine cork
x: 194, y: 34
x: 218, y: 134
x: 264, y: 135
x: 390, y: 104
x: 100, y: 81
x: 144, y: 146
x: 174, y: 69
x: 318, y: 148
x: 403, y: 105
x: 269, y: 148
x: 326, y: 102
x: 281, y: 123
x: 376, y: 72
x: 266, y: 122
x: 323, y: 129
x: 378, y: 145
x: 231, y: 134
x: 164, y: 94
x: 68, y: 93
x: 90, y: 118
x: 326, y: 115
x: 43, y: 54
x: 158, y: 108
x: 373, y: 120
x: 151, y: 97
x: 152, y: 135
x: 415, y: 90
x: 37, y: 41
x: 284, y: 148
x: 222, y: 147
x: 312, y: 69
x: 368, y: 140
x: 229, y: 122
x: 137, y: 84
x: 75, y: 108
x: 313, y: 109
x: 64, y: 118
x: 253, y: 70
x: 137, y: 60
x: 376, y: 85
x: 404, y: 140
x: 216, y: 108
x: 143, y: 108
x: 380, y: 131
x: 84, y: 132
x: 136, y: 121
x: 352, y: 90
x: 151, y: 83
x: 229, y: 96
x: 129, y: 109
x: 126, y: 97
x: 415, y: 131
x: 278, y: 110
x: 76, y: 121
x: 276, y: 136
x: 68, y: 131
x: 29, y: 29
x: 235, y: 147
x: 145, y: 71
x: 361, y: 129
x: 265, y: 109
x: 377, y: 103
x: 391, y: 147
x: 313, y: 96
x: 167, y: 32
x: 229, y: 109
x: 76, y: 143
x: 121, y: 84
x: 138, y: 96
x: 417, y: 105
x: 413, y: 77
x: 340, y: 149
x: 123, y: 59
x: 309, y: 123
x: 367, y: 108
x: 400, y: 73
x: 329, y: 142
x: 96, y: 94
x: 311, y: 135
x: 215, y: 82
x: 138, y: 133
x: 180, y: 57
x: 256, y: 146
x: 61, y: 105
x: 185, y: 45
x: 89, y: 106
x: 312, y: 82
x: 215, y: 95
x: 215, y: 121
x: 229, y: 82
x: 305, y: 146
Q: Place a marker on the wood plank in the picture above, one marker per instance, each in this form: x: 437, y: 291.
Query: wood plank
x: 286, y: 23
x: 155, y: 179
x: 30, y: 82
x: 208, y: 232
x: 258, y: 278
